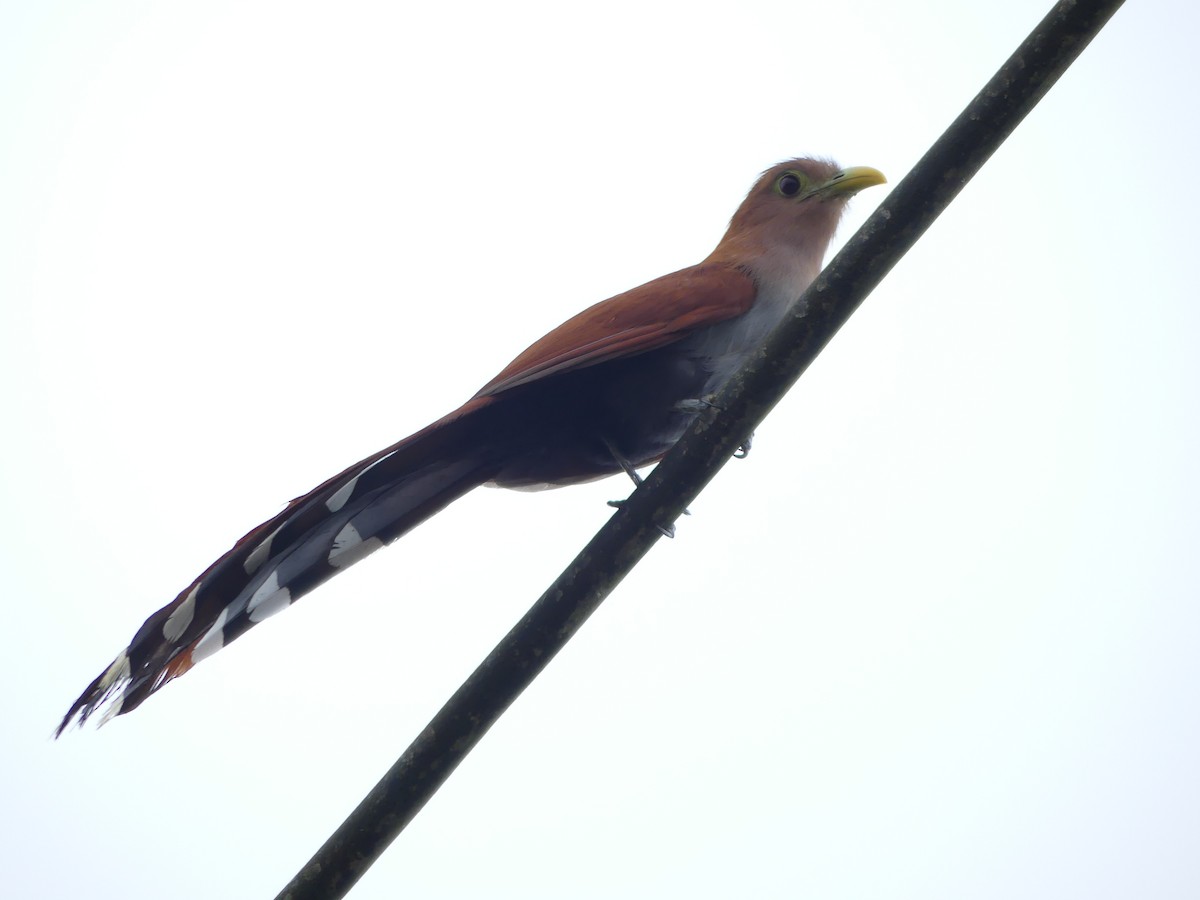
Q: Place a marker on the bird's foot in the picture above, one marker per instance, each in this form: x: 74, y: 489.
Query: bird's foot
x: 697, y: 404
x: 702, y: 404
x: 628, y: 469
x: 743, y: 449
x: 664, y: 530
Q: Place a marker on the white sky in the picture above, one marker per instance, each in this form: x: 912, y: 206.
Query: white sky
x: 937, y: 637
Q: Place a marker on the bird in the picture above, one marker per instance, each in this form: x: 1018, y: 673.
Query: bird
x: 610, y: 390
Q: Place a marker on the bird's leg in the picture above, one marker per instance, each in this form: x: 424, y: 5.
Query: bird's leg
x: 627, y: 467
x: 743, y: 449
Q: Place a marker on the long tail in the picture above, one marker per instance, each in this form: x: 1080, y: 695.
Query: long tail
x: 328, y: 529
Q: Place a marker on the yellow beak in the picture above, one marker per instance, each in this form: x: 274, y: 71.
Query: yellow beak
x: 849, y: 182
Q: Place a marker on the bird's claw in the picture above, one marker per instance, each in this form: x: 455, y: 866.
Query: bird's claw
x: 667, y: 530
x: 697, y: 404
x: 664, y: 530
x: 704, y: 403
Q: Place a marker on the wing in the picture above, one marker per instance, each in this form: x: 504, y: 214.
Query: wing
x: 657, y: 313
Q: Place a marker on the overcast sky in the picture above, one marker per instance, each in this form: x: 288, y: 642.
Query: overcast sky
x: 936, y: 638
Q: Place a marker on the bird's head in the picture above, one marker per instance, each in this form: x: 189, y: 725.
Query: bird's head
x: 791, y: 213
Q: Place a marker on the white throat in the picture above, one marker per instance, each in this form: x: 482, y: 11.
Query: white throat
x: 782, y: 275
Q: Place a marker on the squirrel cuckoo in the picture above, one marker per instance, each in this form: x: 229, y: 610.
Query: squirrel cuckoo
x: 609, y: 390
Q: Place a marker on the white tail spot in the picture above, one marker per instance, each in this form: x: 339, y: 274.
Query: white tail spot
x: 177, y: 623
x: 269, y: 599
x: 349, y: 547
x: 213, y: 640
x: 116, y: 674
x: 260, y: 553
x: 339, y: 497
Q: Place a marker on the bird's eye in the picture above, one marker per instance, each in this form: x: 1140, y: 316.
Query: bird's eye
x: 789, y: 184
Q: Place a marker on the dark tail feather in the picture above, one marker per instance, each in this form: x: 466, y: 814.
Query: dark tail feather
x: 328, y: 529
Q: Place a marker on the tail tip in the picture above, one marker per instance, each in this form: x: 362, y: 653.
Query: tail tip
x: 105, y: 692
